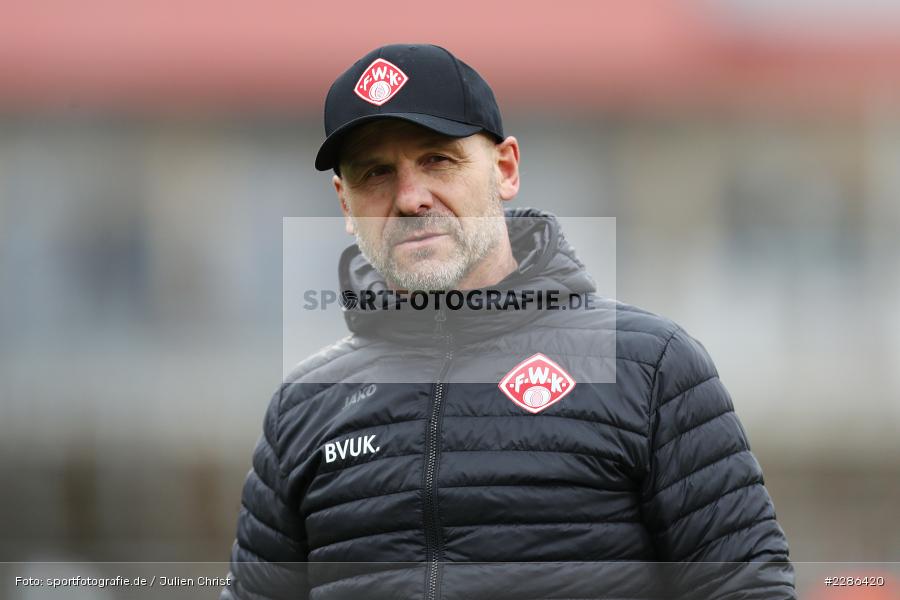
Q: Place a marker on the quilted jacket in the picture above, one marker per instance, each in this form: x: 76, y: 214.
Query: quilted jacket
x: 366, y: 486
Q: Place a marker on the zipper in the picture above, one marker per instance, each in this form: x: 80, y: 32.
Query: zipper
x: 433, y: 538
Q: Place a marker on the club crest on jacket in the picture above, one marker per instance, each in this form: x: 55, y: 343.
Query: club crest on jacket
x: 536, y: 383
x: 380, y: 82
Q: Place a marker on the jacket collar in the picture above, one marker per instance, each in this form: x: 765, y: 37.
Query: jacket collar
x: 546, y: 262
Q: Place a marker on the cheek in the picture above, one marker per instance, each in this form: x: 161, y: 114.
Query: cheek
x: 374, y: 202
x: 370, y: 229
x: 458, y: 194
x: 476, y: 196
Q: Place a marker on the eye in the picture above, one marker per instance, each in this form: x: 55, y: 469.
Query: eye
x: 377, y: 171
x: 433, y: 159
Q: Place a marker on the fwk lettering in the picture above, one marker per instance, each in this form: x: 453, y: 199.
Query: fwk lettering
x: 537, y: 383
x: 380, y: 82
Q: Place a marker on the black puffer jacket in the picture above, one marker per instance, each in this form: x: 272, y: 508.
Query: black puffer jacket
x: 449, y: 471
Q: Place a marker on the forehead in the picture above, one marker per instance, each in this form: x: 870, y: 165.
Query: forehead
x: 385, y: 135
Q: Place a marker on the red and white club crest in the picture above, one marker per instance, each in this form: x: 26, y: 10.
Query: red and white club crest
x: 380, y: 82
x: 537, y: 383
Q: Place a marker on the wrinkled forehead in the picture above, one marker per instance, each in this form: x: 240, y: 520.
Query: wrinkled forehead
x: 386, y: 134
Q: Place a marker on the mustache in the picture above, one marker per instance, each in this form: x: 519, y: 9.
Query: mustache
x: 402, y: 228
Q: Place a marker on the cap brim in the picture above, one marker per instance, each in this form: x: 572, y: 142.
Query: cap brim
x: 328, y: 153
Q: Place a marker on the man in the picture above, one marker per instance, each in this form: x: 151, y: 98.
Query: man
x: 495, y: 433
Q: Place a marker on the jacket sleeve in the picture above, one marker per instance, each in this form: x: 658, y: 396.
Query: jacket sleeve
x: 269, y: 553
x: 704, y: 500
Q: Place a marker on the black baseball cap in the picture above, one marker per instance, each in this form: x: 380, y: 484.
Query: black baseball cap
x: 419, y: 83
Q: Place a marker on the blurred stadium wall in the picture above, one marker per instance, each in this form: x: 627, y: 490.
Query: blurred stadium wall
x: 748, y: 148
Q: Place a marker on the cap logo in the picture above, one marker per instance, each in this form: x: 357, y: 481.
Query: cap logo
x: 380, y: 82
x: 536, y: 383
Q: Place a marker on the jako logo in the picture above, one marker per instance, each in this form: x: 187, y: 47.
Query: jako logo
x: 350, y: 447
x: 360, y: 394
x: 380, y: 82
x: 536, y: 383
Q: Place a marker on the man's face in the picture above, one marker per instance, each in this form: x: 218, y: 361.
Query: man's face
x: 426, y: 209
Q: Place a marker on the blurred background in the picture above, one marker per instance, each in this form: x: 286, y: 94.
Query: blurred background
x: 749, y: 149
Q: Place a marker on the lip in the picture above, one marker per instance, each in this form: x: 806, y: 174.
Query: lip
x: 421, y: 239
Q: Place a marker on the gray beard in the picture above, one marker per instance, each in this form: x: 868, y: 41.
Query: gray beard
x: 473, y: 243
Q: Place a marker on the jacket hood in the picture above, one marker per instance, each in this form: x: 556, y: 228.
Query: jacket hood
x: 546, y: 262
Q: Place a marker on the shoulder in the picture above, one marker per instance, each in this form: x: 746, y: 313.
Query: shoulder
x: 317, y: 365
x: 321, y: 371
x: 663, y: 342
x: 639, y: 329
x: 664, y: 349
x: 676, y: 360
x: 639, y: 335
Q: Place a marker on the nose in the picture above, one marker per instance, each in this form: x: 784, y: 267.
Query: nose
x: 412, y: 195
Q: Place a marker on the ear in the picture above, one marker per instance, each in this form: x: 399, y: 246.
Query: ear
x: 507, y: 155
x: 345, y: 206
